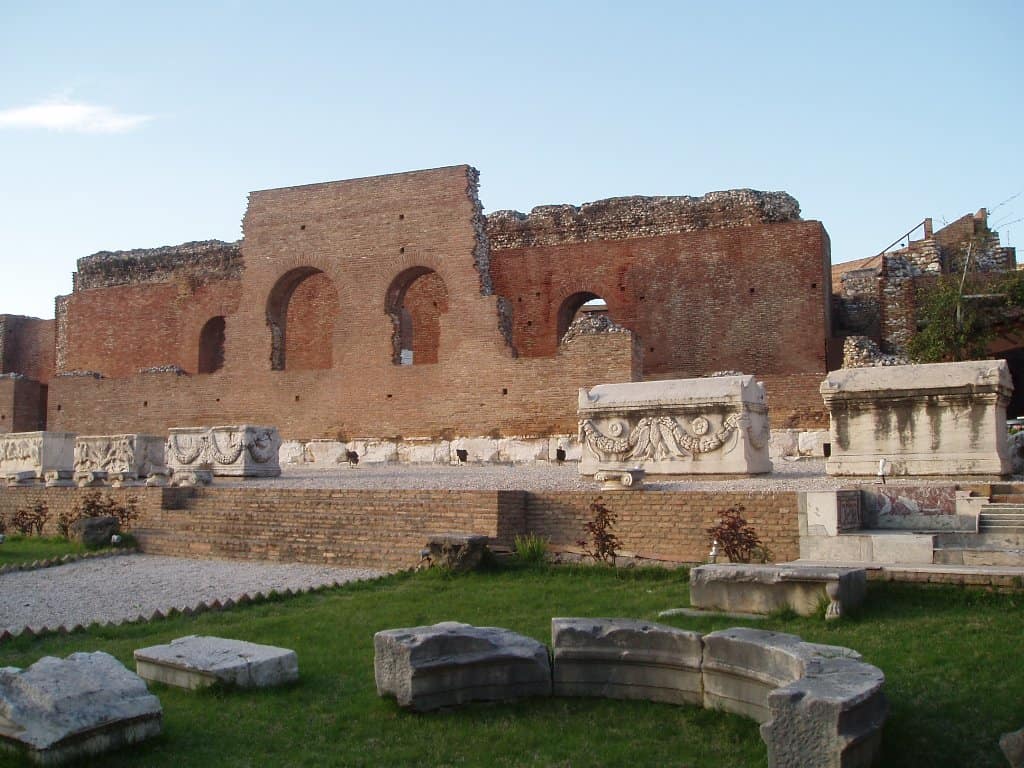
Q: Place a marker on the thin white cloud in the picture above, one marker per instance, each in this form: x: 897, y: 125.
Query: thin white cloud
x: 70, y: 116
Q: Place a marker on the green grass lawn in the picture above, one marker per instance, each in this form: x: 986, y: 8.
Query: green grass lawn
x: 25, y: 549
x: 950, y: 658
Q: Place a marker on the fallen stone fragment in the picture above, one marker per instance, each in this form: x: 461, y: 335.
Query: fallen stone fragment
x: 458, y: 552
x: 196, y: 662
x: 448, y: 664
x: 1012, y: 745
x: 95, y: 531
x: 59, y: 710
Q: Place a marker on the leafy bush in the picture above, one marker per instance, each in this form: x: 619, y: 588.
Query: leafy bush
x: 96, y: 504
x: 27, y: 520
x: 737, y: 538
x: 600, y: 544
x: 532, y: 549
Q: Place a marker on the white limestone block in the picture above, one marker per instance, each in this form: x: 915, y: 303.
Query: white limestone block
x: 196, y: 661
x: 242, y: 450
x: 131, y: 456
x: 936, y: 419
x: 34, y: 454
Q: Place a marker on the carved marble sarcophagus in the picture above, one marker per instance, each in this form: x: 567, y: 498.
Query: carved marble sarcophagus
x: 122, y: 456
x: 28, y: 456
x: 231, y: 451
x: 710, y: 426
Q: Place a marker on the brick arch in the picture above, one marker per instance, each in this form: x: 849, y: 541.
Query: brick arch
x: 415, y: 301
x: 569, y: 309
x: 211, y: 345
x: 302, y: 308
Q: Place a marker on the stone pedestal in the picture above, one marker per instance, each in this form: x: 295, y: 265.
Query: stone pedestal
x: 31, y: 456
x: 120, y: 457
x: 229, y: 451
x: 716, y: 426
x: 938, y: 419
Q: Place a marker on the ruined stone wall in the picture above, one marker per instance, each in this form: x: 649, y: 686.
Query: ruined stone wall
x: 133, y: 310
x: 749, y: 298
x: 27, y: 346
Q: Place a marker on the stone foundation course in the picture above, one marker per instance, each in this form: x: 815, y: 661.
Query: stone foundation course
x: 819, y: 706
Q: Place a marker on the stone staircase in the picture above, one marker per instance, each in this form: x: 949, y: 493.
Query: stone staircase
x: 998, y: 541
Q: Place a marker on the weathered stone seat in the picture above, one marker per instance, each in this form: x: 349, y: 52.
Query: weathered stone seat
x: 766, y: 588
x: 626, y: 659
x: 818, y: 705
x: 448, y: 664
x: 59, y: 710
x: 196, y: 662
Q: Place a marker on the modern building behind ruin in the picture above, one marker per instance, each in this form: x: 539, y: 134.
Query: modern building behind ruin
x: 391, y: 306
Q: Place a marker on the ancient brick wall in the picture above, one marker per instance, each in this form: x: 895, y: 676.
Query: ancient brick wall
x: 22, y: 404
x: 27, y: 346
x: 134, y: 310
x: 667, y: 526
x: 336, y: 277
x: 387, y: 529
x: 748, y: 298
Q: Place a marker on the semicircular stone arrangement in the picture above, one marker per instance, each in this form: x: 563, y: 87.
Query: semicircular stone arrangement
x: 818, y: 705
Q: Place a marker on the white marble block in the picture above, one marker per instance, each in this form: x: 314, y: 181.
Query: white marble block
x: 229, y: 451
x: 34, y: 455
x: 196, y: 662
x: 937, y: 419
x: 130, y: 456
x: 716, y: 426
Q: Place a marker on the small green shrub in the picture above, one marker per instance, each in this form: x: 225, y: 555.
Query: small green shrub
x: 96, y: 504
x: 531, y: 549
x: 601, y: 544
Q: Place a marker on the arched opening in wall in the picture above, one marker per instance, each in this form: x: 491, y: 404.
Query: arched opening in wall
x: 301, y: 312
x: 415, y: 302
x: 582, y: 304
x: 211, y: 345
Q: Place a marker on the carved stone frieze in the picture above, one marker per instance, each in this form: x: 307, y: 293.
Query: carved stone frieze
x: 128, y: 456
x: 684, y: 426
x: 31, y: 455
x: 228, y: 451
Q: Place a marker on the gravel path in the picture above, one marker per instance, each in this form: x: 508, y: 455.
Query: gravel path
x: 117, y: 589
x: 802, y: 475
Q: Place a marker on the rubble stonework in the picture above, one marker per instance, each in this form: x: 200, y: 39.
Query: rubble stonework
x: 589, y: 324
x: 196, y: 261
x: 621, y: 217
x: 862, y: 352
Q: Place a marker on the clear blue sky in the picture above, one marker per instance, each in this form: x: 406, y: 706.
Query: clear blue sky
x: 139, y: 124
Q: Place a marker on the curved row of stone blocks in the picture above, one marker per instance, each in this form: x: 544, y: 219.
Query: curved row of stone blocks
x: 818, y: 705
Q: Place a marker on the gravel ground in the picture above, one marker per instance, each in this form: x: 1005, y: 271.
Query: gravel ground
x: 802, y: 475
x: 121, y: 588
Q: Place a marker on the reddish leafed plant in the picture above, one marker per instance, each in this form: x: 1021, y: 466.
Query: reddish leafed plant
x: 600, y: 544
x: 736, y: 538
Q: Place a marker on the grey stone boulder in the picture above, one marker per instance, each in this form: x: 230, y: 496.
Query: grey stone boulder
x: 626, y: 659
x: 819, y: 705
x: 448, y: 664
x: 94, y: 531
x: 765, y: 588
x: 196, y: 662
x: 59, y: 710
x: 458, y: 552
x: 1012, y: 744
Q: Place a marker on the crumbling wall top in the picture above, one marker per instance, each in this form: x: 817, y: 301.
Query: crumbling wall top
x: 204, y: 259
x: 618, y: 218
